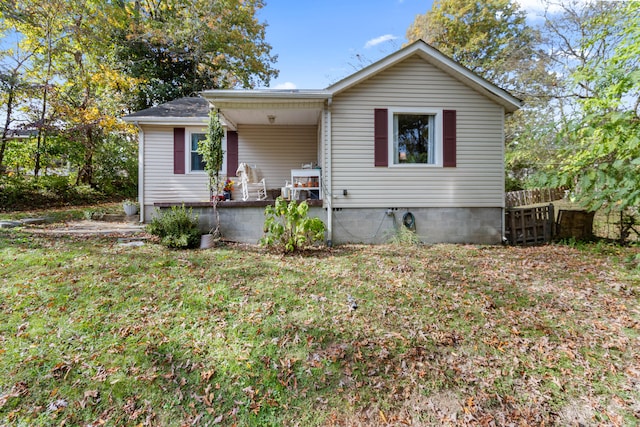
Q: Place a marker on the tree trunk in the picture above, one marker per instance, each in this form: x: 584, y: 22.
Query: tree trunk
x: 5, y: 131
x: 85, y: 174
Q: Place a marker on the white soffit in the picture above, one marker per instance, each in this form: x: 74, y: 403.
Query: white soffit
x: 270, y: 116
x: 268, y: 107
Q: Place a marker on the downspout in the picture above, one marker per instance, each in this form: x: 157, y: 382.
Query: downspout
x: 503, y: 204
x: 328, y: 173
x: 140, y: 170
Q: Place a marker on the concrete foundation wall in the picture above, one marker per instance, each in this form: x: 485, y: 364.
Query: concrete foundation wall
x: 237, y: 224
x: 367, y: 225
x: 432, y: 225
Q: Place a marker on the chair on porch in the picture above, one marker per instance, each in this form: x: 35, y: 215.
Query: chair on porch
x: 252, y: 188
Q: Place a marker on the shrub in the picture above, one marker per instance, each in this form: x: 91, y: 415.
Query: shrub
x: 177, y: 228
x: 404, y: 237
x: 288, y: 228
x: 27, y: 192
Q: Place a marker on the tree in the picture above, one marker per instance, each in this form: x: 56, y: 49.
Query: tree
x: 601, y: 159
x: 92, y: 92
x: 177, y: 48
x: 41, y: 30
x: 491, y: 38
x: 76, y: 91
x: 13, y: 85
x: 534, y: 146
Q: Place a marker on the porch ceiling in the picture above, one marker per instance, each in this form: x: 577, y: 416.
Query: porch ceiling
x: 268, y: 107
x: 270, y: 116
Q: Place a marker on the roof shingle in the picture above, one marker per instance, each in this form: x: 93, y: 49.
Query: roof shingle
x: 183, y: 107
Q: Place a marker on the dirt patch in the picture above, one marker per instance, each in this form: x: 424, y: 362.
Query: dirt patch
x: 577, y: 412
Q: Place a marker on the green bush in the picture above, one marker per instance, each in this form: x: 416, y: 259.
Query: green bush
x: 26, y: 192
x: 288, y: 228
x: 116, y: 166
x: 177, y: 228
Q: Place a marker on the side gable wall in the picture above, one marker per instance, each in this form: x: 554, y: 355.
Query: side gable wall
x: 476, y: 181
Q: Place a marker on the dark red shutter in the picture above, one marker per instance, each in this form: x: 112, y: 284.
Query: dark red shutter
x: 381, y: 137
x: 449, y: 138
x: 232, y: 152
x: 178, y: 150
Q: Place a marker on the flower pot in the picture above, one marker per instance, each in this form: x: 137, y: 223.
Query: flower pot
x: 227, y: 195
x: 130, y: 209
x: 207, y: 241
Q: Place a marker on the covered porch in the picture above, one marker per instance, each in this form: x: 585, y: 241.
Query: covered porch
x: 279, y: 135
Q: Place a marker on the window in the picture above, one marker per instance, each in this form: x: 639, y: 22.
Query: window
x: 196, y: 159
x: 415, y: 138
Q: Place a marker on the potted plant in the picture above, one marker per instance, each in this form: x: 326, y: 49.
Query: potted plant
x: 130, y: 207
x: 228, y: 188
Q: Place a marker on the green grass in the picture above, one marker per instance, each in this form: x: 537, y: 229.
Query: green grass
x: 93, y: 332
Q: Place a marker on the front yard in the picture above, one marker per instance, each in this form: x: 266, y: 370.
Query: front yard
x: 95, y: 332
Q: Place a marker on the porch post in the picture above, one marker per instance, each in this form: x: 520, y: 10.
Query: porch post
x: 140, y: 170
x: 327, y: 173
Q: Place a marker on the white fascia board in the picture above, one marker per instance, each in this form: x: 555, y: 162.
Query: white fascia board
x: 504, y: 98
x: 439, y: 60
x: 262, y: 95
x: 167, y: 121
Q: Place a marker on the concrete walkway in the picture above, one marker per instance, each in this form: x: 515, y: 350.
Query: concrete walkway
x: 89, y: 227
x: 82, y: 227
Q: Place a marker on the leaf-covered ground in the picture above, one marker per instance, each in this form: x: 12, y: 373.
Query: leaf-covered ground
x: 97, y: 333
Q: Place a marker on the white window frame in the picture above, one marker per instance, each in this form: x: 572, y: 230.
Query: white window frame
x: 437, y: 137
x: 188, y: 151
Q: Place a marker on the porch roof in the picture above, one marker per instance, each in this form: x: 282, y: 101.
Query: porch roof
x: 268, y: 106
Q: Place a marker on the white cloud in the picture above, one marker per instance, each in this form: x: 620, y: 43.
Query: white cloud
x: 285, y: 85
x: 535, y: 8
x: 378, y: 40
x: 532, y: 6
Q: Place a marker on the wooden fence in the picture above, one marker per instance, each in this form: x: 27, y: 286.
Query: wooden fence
x: 533, y: 197
x: 529, y: 226
x: 574, y: 224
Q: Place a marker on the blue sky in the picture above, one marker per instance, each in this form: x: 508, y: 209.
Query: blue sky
x: 318, y: 41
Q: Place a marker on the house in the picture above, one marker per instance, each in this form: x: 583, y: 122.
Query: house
x: 412, y: 140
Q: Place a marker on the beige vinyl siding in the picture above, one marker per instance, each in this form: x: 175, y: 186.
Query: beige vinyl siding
x: 275, y: 150
x: 161, y: 184
x: 478, y: 179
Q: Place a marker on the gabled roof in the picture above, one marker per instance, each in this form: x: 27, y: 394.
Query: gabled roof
x: 302, y: 106
x: 227, y: 98
x: 437, y: 59
x: 182, y: 110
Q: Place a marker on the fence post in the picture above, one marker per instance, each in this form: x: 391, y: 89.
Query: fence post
x: 552, y: 222
x: 513, y: 235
